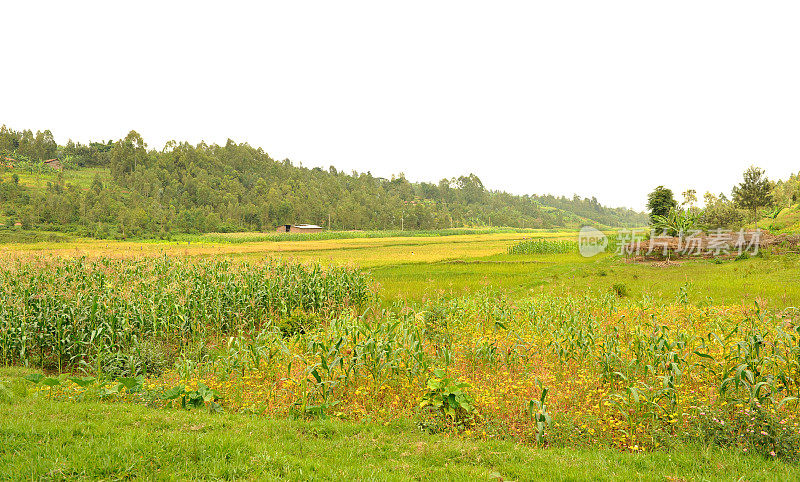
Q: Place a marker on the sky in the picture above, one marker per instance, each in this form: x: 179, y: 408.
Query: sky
x: 606, y: 99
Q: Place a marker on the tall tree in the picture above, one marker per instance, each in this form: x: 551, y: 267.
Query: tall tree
x: 660, y: 202
x: 754, y: 192
x: 127, y: 154
x: 689, y: 198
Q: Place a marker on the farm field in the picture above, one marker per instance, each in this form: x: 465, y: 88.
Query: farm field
x: 413, y: 267
x: 81, y: 178
x: 279, y: 357
x: 512, y: 242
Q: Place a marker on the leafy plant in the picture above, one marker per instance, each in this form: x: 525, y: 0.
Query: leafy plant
x: 450, y: 397
x: 677, y: 221
x: 37, y: 378
x: 203, y: 396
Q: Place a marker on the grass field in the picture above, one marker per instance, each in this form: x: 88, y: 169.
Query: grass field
x: 646, y: 371
x: 81, y: 178
x: 787, y: 220
x: 90, y: 440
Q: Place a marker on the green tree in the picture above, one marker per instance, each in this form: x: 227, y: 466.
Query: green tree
x: 44, y: 146
x: 689, y: 198
x: 720, y: 212
x: 754, y: 192
x: 128, y: 154
x: 660, y: 202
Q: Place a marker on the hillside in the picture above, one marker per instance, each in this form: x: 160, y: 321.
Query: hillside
x: 121, y: 189
x: 785, y: 220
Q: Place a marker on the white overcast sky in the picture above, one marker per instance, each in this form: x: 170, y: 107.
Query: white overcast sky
x: 598, y: 98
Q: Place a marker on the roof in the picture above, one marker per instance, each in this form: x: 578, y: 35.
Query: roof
x: 55, y: 163
x: 307, y: 226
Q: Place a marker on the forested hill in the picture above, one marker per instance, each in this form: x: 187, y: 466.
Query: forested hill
x: 123, y: 189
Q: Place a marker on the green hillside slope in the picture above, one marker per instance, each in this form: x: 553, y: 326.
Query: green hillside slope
x: 122, y: 188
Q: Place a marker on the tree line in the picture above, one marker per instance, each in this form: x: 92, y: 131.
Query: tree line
x: 186, y: 188
x: 753, y: 199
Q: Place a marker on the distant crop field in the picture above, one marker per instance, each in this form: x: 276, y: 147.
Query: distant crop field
x: 81, y: 178
x: 415, y: 267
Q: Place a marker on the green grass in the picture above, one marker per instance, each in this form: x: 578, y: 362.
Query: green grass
x: 773, y: 279
x: 81, y: 178
x: 16, y: 235
x: 787, y: 221
x: 41, y: 439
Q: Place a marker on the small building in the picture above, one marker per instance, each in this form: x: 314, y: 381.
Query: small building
x: 54, y: 163
x: 299, y: 228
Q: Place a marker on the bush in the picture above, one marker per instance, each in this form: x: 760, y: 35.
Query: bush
x: 154, y: 357
x: 620, y: 289
x: 297, y: 322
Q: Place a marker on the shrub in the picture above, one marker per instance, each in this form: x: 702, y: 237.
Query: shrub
x: 297, y: 322
x: 620, y: 289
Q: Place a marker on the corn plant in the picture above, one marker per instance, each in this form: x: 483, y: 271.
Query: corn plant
x: 58, y: 313
x: 537, y: 411
x: 543, y: 246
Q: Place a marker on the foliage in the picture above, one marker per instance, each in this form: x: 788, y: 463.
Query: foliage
x: 786, y: 192
x: 659, y: 202
x: 720, y: 213
x: 197, y: 398
x: 755, y: 430
x: 537, y: 411
x: 450, y: 397
x: 676, y: 221
x: 620, y: 289
x: 119, y: 315
x: 754, y: 192
x: 622, y: 372
x: 618, y: 372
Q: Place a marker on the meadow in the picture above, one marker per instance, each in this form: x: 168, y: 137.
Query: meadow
x: 504, y: 350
